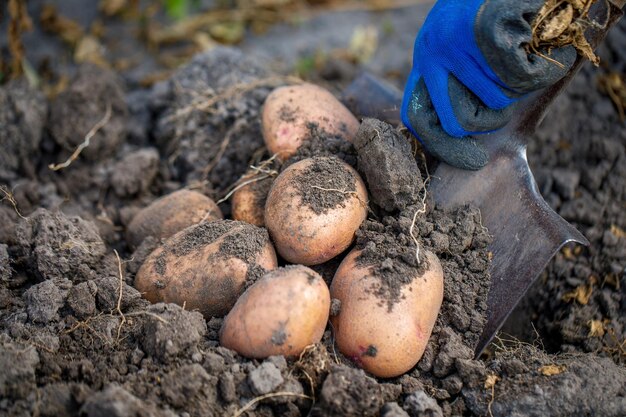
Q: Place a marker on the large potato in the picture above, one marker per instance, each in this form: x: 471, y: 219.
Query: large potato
x: 170, y: 214
x: 292, y: 113
x: 281, y: 314
x: 386, y: 339
x: 314, y: 209
x: 206, y: 266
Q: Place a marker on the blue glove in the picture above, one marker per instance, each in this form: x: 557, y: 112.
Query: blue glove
x: 470, y: 67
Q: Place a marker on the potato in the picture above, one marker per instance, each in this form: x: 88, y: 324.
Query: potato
x: 170, y: 214
x: 248, y: 203
x: 281, y: 314
x: 385, y: 339
x: 314, y: 209
x: 206, y: 266
x: 291, y: 112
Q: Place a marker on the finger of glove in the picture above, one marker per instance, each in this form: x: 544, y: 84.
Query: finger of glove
x: 473, y: 76
x: 465, y: 153
x: 502, y: 30
x: 470, y: 111
x: 436, y: 82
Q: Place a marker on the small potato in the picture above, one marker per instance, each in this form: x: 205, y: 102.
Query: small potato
x: 170, y: 214
x: 206, y: 266
x: 385, y: 340
x: 248, y: 203
x: 291, y: 112
x: 314, y: 209
x: 281, y: 314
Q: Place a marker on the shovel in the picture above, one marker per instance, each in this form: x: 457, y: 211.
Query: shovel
x: 526, y: 232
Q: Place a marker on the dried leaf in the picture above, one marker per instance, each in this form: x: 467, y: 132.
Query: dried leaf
x: 582, y: 46
x: 617, y: 231
x: 228, y: 32
x: 596, y: 328
x: 561, y: 23
x: 579, y: 5
x: 558, y: 24
x: 614, y: 85
x: 491, y: 381
x: 581, y: 294
x: 67, y: 29
x: 551, y: 370
x: 19, y: 22
x: 112, y: 7
x: 612, y: 280
x: 364, y: 43
x: 89, y: 49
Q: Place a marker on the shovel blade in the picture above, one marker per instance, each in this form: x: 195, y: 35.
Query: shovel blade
x: 526, y: 232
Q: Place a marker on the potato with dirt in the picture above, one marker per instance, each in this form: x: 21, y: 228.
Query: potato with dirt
x: 314, y: 209
x: 281, y: 314
x: 386, y: 337
x: 291, y: 113
x: 207, y: 266
x: 170, y: 214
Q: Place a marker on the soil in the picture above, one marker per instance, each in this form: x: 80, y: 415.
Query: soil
x: 325, y: 184
x: 240, y: 240
x: 88, y: 344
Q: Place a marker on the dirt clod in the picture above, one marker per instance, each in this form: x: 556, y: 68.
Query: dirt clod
x: 74, y: 112
x: 386, y: 160
x: 265, y: 379
x: 349, y: 391
x: 169, y: 330
x: 22, y: 119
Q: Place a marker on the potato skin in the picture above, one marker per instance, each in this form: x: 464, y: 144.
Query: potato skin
x: 385, y: 343
x: 301, y: 235
x: 281, y: 314
x: 248, y: 202
x: 170, y: 214
x: 289, y: 110
x: 205, y: 278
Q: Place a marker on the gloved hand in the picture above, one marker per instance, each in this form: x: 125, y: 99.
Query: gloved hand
x: 469, y: 67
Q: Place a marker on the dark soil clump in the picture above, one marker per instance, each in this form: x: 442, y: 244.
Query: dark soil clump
x: 386, y: 160
x: 22, y: 120
x: 325, y: 184
x: 91, y: 95
x: 194, y: 136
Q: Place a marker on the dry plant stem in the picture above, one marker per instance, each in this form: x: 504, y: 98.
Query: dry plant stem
x: 8, y: 195
x: 243, y: 184
x: 119, y: 298
x: 203, y: 103
x: 18, y: 23
x: 243, y: 181
x: 86, y: 325
x: 222, y: 149
x: 266, y: 396
x: 86, y: 142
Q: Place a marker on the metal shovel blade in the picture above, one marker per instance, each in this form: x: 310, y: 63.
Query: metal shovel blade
x: 526, y: 232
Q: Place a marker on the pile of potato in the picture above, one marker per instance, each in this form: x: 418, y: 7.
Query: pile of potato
x: 308, y: 214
